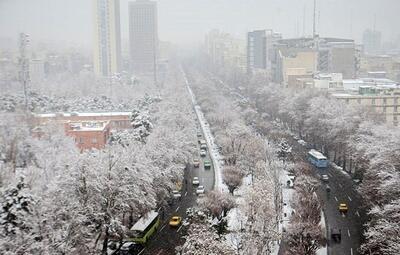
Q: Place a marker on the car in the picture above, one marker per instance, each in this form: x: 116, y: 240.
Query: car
x: 328, y: 188
x: 324, y: 178
x: 129, y: 248
x: 203, y: 153
x: 199, y: 135
x: 207, y: 164
x: 195, y: 181
x: 203, y: 147
x: 343, y: 208
x: 176, y: 194
x: 196, y: 162
x: 336, y: 234
x: 200, y: 190
x: 175, y: 221
x: 202, y: 141
x: 302, y: 142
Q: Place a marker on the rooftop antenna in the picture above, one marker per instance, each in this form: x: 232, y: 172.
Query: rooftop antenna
x: 304, y: 20
x: 23, y: 62
x: 314, y: 22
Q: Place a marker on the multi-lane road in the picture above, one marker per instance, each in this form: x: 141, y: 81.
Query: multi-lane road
x: 168, y: 238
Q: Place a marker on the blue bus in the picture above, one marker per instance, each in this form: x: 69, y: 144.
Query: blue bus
x: 317, y: 159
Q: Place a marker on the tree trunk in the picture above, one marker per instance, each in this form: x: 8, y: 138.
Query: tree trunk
x: 105, y: 242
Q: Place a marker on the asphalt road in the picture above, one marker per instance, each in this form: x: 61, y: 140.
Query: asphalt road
x: 342, y: 191
x: 167, y: 238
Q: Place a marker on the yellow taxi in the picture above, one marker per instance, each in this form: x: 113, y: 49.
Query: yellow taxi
x: 343, y: 208
x: 175, y: 221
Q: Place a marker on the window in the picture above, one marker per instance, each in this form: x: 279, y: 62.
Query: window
x: 384, y: 109
x: 94, y: 140
x: 395, y: 100
x: 81, y: 140
x: 373, y: 101
x: 359, y: 100
x: 347, y: 100
x: 384, y: 101
x: 395, y: 108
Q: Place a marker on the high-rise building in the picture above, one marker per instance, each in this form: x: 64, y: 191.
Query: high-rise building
x: 107, y: 37
x: 372, y: 41
x: 260, y: 49
x: 143, y: 36
x: 256, y: 50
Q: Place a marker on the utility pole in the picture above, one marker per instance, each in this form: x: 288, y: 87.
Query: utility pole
x: 24, y: 67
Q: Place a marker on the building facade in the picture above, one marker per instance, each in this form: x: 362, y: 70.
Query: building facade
x: 143, y: 36
x: 256, y: 50
x: 372, y: 41
x: 107, y: 38
x: 384, y: 102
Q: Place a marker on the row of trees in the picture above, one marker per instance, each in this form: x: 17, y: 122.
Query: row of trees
x: 353, y: 137
x: 61, y: 201
x: 249, y: 159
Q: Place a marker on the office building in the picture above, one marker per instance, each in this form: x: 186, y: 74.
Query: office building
x: 143, y: 36
x: 372, y: 41
x: 256, y: 50
x: 107, y: 38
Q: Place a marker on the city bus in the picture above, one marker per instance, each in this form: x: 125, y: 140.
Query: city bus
x: 145, y: 227
x: 317, y: 159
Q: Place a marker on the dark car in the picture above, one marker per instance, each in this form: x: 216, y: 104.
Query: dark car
x: 129, y: 248
x: 336, y: 234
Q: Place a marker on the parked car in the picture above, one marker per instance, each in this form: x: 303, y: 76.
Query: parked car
x: 200, y: 190
x: 199, y: 135
x: 207, y: 164
x: 195, y: 181
x: 175, y: 221
x: 196, y: 162
x: 343, y: 208
x: 336, y: 234
x: 203, y: 153
x: 203, y: 147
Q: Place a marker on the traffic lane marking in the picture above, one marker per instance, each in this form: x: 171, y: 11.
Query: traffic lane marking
x: 177, y: 209
x: 179, y: 228
x: 357, y: 213
x: 185, y: 193
x: 351, y: 251
x: 348, y: 232
x: 336, y: 199
x: 141, y: 251
x: 350, y: 198
x: 161, y: 229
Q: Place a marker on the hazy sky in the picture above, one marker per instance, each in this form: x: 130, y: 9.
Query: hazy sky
x: 188, y: 20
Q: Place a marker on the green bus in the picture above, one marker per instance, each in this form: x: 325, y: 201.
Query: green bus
x: 145, y: 227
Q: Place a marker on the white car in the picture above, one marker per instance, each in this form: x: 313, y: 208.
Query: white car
x: 325, y: 178
x: 200, y: 190
x: 302, y: 142
x: 203, y: 153
x: 196, y: 181
x: 176, y: 194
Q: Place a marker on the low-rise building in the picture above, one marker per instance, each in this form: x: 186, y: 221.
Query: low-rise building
x: 384, y: 100
x: 89, y: 130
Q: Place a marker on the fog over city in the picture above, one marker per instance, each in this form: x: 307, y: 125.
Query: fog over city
x: 184, y: 21
x: 198, y: 127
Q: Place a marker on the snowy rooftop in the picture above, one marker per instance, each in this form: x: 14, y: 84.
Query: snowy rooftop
x: 88, y: 125
x: 143, y: 222
x: 82, y: 114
